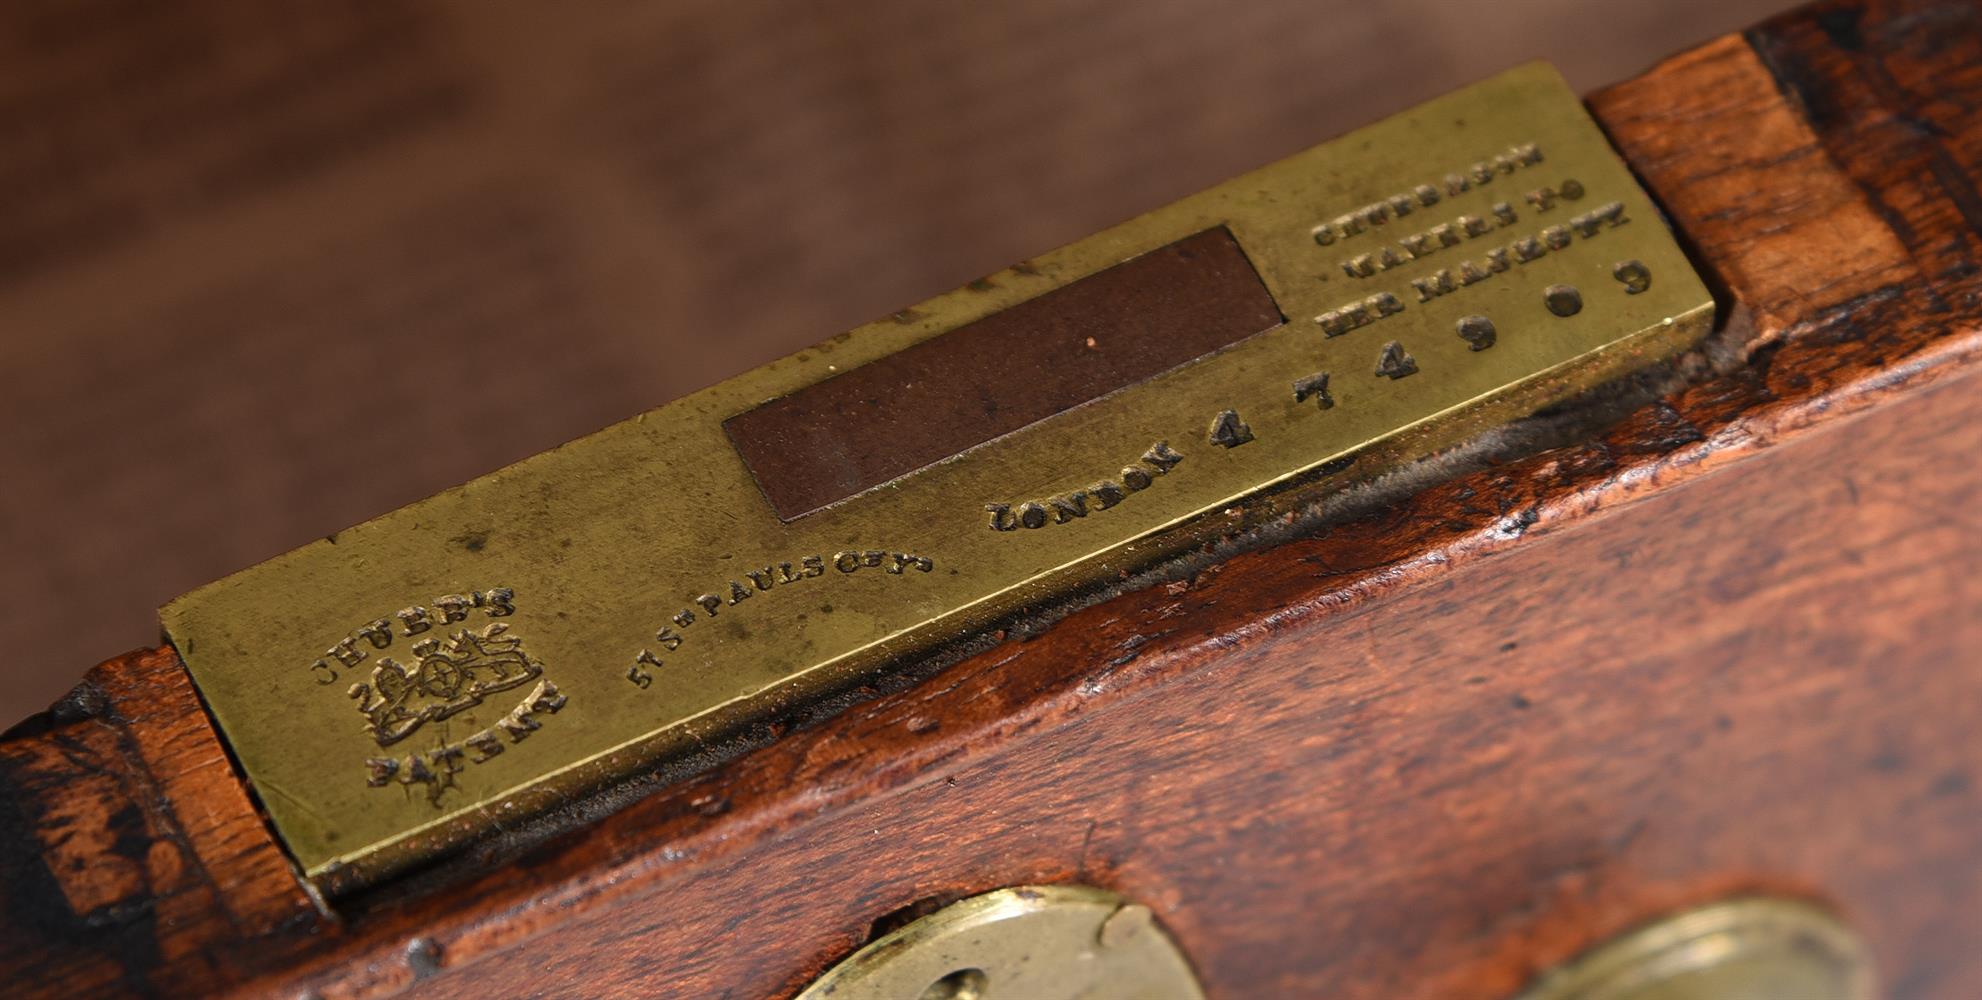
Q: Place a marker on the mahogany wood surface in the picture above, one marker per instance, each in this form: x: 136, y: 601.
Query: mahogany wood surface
x: 1729, y: 645
x: 130, y: 857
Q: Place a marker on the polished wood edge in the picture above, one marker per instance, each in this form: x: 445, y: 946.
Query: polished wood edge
x: 130, y: 855
x: 1745, y: 179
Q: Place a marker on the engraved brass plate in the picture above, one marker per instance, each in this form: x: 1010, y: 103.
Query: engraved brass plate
x: 437, y: 672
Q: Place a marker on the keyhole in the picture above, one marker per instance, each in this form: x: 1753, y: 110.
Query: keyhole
x: 963, y: 984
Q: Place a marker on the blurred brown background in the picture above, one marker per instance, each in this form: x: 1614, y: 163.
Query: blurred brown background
x: 269, y: 269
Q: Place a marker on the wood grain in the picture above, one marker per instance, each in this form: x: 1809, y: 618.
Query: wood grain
x: 130, y: 857
x: 1729, y: 645
x: 1765, y: 211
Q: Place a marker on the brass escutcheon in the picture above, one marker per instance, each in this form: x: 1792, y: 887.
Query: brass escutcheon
x: 1744, y: 949
x: 1054, y: 942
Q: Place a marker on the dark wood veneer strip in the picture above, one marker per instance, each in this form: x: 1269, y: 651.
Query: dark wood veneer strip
x: 1105, y: 332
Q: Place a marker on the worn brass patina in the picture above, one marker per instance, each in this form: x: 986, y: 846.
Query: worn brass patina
x: 1049, y: 942
x: 1744, y: 949
x: 438, y: 672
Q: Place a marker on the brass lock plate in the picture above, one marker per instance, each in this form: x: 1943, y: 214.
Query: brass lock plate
x: 1048, y: 942
x: 435, y: 673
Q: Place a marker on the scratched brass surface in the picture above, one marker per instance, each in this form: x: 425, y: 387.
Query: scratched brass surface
x: 1040, y: 942
x: 1756, y: 948
x: 429, y: 675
